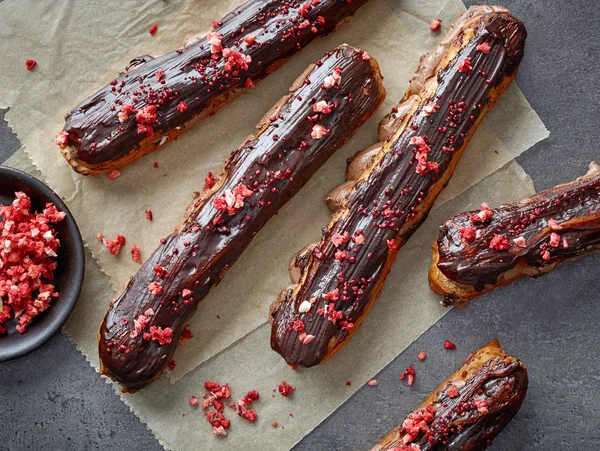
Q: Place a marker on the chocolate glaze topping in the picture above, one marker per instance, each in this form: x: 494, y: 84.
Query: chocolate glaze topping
x: 264, y: 32
x: 386, y: 205
x: 272, y: 167
x: 465, y: 414
x: 575, y: 209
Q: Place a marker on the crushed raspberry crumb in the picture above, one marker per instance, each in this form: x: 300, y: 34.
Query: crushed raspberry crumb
x: 391, y: 244
x: 248, y: 83
x: 422, y: 355
x: 30, y: 64
x: 214, y: 39
x: 468, y: 234
x: 113, y: 174
x: 232, y: 200
x: 499, y: 243
x: 482, y: 406
x: 114, y: 246
x: 28, y: 249
x: 182, y: 107
x: 334, y: 79
x: 452, y: 392
x: 348, y: 383
x: 136, y: 254
x: 285, y: 389
x: 194, y: 401
x: 274, y: 424
x: 149, y: 216
x: 366, y: 56
x: 209, y: 181
x: 483, y: 216
x: 62, y: 139
x: 464, y: 66
x: 322, y: 107
x: 162, y: 336
x: 449, y: 345
x: 155, y: 288
x: 153, y: 29
x: 172, y: 365
x: 435, y: 24
x: 554, y: 239
x: 409, y: 374
x: 484, y: 47
x: 554, y: 225
x: 318, y: 131
x: 373, y: 383
x: 520, y: 241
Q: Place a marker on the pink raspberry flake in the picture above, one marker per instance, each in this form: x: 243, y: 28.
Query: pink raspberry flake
x: 193, y: 401
x: 113, y: 174
x: 136, y: 254
x: 391, y: 244
x: 554, y: 225
x: 422, y: 355
x: 235, y: 61
x: 483, y: 216
x: 499, y: 243
x: 334, y: 79
x: 333, y: 295
x: 520, y: 241
x: 484, y: 47
x: 545, y: 255
x: 304, y: 24
x: 409, y: 374
x: 338, y: 239
x: 114, y: 246
x: 30, y: 64
x: 452, y: 392
x: 430, y: 108
x: 161, y: 336
x: 62, y: 139
x: 435, y: 24
x: 464, y: 66
x: 449, y: 345
x: 182, y: 107
x: 366, y: 56
x: 249, y: 83
x: 231, y: 201
x: 318, y: 131
x: 482, y: 406
x: 285, y: 389
x: 554, y: 239
x: 468, y: 234
x: 322, y: 107
x: 209, y: 181
x: 250, y: 39
x: 155, y: 288
x: 153, y: 29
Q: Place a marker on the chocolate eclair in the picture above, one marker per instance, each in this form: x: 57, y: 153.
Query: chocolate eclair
x: 157, y: 99
x: 392, y: 186
x: 326, y: 105
x: 478, y: 251
x: 468, y: 410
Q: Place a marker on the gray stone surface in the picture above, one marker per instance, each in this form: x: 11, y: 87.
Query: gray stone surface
x: 550, y: 323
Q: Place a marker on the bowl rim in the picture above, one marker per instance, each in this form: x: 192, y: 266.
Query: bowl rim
x: 64, y: 309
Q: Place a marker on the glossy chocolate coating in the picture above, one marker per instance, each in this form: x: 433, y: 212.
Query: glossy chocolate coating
x: 275, y: 164
x: 192, y: 76
x: 395, y: 184
x: 500, y: 384
x: 574, y: 206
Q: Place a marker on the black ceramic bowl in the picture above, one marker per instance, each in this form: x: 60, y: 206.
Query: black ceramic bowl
x: 68, y: 277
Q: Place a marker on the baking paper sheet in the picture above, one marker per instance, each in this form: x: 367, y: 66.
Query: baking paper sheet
x: 405, y: 310
x: 81, y: 45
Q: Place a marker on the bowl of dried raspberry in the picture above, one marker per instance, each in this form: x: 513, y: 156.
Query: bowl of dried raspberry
x: 42, y: 262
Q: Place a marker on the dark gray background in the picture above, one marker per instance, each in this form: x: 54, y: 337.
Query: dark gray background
x: 53, y: 400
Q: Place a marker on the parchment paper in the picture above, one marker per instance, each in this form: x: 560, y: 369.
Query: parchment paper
x: 406, y: 309
x: 81, y: 45
x: 236, y: 348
